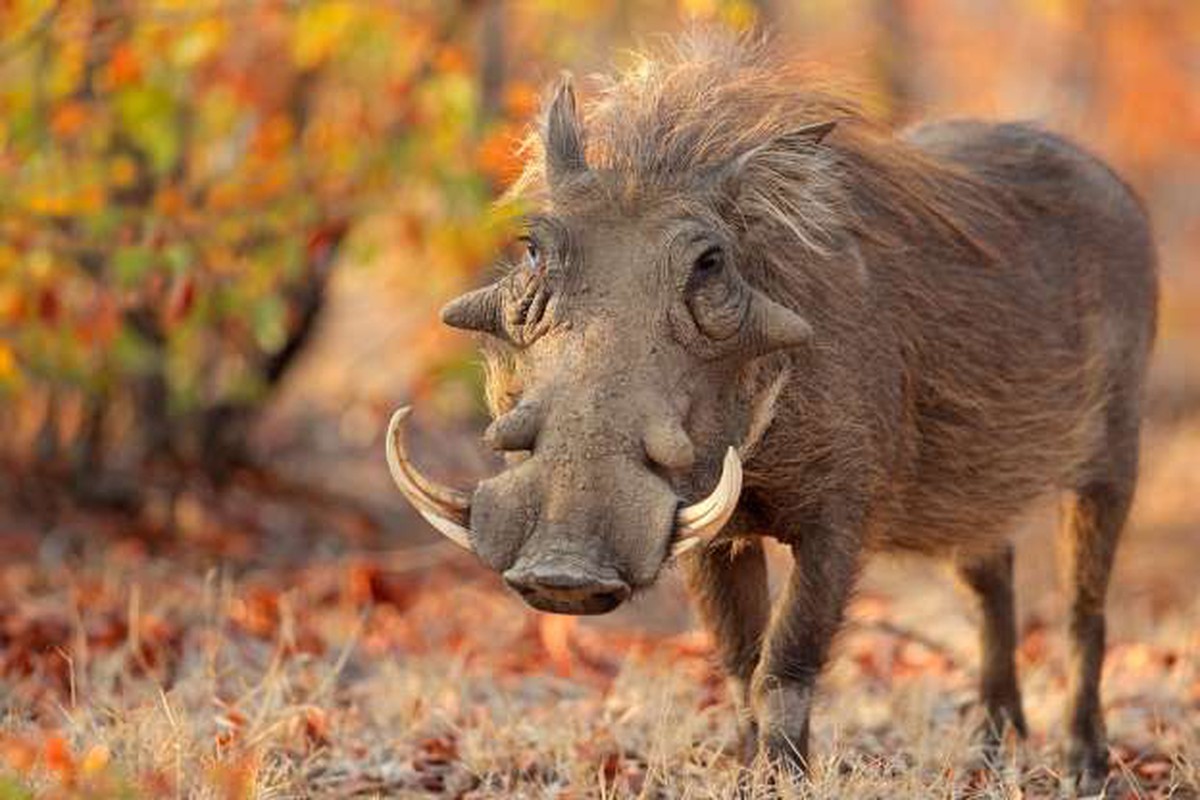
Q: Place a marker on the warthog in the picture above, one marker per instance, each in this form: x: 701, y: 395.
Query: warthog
x: 902, y: 339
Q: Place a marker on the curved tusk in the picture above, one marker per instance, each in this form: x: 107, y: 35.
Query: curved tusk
x: 681, y: 546
x: 447, y: 510
x: 701, y: 521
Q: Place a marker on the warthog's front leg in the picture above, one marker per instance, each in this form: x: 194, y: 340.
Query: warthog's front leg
x: 729, y: 583
x: 799, y: 637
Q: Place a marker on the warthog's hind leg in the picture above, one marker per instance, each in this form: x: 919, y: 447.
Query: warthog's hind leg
x: 1093, y: 521
x: 1094, y: 516
x: 990, y: 579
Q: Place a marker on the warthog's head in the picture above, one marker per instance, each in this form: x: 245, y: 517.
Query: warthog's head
x: 617, y: 350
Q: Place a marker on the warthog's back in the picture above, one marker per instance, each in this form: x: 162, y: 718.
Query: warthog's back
x: 1017, y: 360
x: 1089, y: 225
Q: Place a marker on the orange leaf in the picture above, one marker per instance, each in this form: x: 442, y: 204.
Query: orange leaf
x: 125, y: 67
x: 68, y: 119
x: 235, y: 781
x: 451, y: 59
x: 316, y: 727
x: 555, y: 631
x: 102, y: 321
x: 95, y: 760
x: 520, y: 100
x: 499, y: 156
x: 436, y: 752
x: 8, y: 362
x: 12, y: 304
x: 273, y: 136
x: 18, y: 754
x: 169, y: 201
x: 1156, y: 767
x: 59, y: 758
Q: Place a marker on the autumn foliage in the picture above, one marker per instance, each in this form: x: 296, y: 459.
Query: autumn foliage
x: 177, y: 182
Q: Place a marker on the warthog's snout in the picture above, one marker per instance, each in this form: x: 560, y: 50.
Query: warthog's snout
x: 495, y: 522
x: 563, y: 587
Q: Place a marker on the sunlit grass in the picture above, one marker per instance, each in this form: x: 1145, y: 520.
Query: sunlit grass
x: 321, y: 692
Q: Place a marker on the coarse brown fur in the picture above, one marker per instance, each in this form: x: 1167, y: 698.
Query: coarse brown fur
x: 981, y: 299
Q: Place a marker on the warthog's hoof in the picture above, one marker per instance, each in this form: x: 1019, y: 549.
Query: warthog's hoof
x: 1087, y: 768
x: 747, y: 743
x: 995, y: 729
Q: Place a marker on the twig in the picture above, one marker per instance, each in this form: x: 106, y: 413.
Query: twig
x: 343, y: 658
x: 410, y: 559
x: 909, y: 635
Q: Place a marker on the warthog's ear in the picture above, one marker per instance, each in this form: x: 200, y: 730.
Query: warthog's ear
x: 562, y: 135
x: 797, y: 141
x: 794, y: 142
x: 778, y: 179
x: 807, y: 136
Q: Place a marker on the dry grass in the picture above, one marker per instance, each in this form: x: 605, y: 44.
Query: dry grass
x: 127, y: 673
x: 227, y: 692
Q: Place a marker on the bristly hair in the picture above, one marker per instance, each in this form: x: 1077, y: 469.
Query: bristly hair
x: 706, y: 101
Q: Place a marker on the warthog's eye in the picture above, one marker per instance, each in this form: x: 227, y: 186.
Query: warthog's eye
x: 713, y: 294
x: 533, y: 253
x: 709, y: 262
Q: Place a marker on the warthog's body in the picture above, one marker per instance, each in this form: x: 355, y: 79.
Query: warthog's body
x: 950, y: 390
x: 961, y: 321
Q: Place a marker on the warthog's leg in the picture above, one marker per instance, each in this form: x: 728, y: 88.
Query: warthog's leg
x: 1094, y: 517
x: 990, y: 578
x: 798, y: 640
x: 729, y: 582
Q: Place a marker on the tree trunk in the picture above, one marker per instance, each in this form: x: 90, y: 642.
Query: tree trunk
x: 491, y: 60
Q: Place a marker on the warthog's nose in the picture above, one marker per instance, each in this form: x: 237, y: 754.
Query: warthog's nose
x: 559, y: 590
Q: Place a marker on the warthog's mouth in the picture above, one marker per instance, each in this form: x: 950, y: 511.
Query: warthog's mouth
x: 573, y: 599
x: 449, y: 510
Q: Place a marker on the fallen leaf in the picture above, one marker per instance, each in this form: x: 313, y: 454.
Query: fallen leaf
x: 555, y: 632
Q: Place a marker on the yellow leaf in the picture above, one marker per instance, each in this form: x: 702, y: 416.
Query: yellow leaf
x: 95, y: 760
x: 122, y: 171
x: 739, y: 15
x: 200, y: 41
x: 8, y: 363
x: 702, y: 9
x: 319, y: 30
x: 12, y: 304
x: 9, y: 258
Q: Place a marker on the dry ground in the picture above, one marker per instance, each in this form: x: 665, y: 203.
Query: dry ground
x: 198, y: 662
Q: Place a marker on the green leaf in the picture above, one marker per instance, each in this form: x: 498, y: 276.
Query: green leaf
x: 130, y: 264
x: 133, y: 354
x: 179, y: 257
x: 147, y: 115
x: 11, y: 789
x: 103, y: 223
x: 269, y: 317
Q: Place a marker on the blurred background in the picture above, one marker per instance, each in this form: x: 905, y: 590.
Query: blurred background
x: 226, y: 227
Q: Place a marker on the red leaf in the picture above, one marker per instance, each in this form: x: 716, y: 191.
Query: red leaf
x: 49, y: 305
x: 181, y: 299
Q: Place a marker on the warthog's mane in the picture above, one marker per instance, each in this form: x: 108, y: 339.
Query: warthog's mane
x: 677, y: 118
